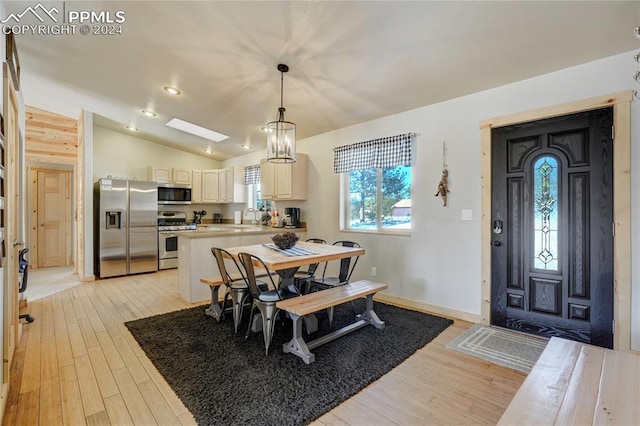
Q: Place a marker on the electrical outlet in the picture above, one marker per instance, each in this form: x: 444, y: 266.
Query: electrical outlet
x: 373, y: 271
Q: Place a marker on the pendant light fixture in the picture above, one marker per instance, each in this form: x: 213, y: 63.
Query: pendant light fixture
x: 281, y: 134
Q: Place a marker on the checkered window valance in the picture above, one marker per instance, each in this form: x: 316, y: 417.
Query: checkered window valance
x: 252, y: 174
x: 386, y: 152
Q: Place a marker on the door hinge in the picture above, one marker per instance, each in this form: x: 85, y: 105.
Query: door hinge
x: 613, y: 326
x: 613, y: 132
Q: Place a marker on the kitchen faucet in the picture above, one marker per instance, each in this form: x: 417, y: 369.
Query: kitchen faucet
x: 254, y: 222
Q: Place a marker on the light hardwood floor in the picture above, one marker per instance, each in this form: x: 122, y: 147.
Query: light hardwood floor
x: 77, y: 364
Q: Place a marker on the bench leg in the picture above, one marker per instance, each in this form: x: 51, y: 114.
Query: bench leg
x: 214, y: 310
x: 297, y: 345
x: 302, y: 349
x: 369, y: 315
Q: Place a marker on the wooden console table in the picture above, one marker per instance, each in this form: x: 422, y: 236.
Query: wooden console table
x: 579, y: 384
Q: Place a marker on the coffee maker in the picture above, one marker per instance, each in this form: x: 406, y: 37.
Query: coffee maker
x: 291, y: 217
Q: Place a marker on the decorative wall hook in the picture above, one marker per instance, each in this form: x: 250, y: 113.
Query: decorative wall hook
x: 443, y: 186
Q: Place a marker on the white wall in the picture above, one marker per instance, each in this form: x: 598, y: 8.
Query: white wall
x: 120, y: 154
x: 440, y: 263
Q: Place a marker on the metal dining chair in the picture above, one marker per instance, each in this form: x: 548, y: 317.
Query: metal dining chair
x: 263, y: 300
x: 347, y: 265
x: 301, y: 278
x: 238, y: 289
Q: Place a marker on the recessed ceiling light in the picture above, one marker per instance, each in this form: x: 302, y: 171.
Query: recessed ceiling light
x: 132, y: 128
x: 208, y: 151
x: 149, y: 113
x: 172, y: 90
x: 194, y: 129
x: 246, y: 146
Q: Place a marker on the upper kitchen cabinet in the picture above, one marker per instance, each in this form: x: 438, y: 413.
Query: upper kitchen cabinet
x: 211, y: 186
x: 165, y: 174
x: 159, y: 174
x: 284, y: 181
x: 235, y: 189
x: 196, y: 186
x: 223, y: 186
x: 182, y: 176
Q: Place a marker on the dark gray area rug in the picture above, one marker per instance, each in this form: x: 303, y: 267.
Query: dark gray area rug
x: 224, y: 379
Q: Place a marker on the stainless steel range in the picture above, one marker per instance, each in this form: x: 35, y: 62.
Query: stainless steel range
x: 169, y: 223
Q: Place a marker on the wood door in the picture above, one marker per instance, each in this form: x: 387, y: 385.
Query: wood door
x: 54, y: 212
x: 13, y: 238
x: 552, y: 220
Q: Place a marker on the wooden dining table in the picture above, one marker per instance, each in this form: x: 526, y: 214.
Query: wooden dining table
x: 286, y: 266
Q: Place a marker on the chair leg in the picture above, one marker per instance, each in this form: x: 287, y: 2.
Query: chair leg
x: 253, y: 310
x: 238, y: 298
x: 330, y: 314
x: 269, y: 313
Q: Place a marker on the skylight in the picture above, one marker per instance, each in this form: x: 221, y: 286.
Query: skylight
x: 194, y: 129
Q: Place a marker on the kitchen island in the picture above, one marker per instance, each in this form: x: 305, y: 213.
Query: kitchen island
x: 195, y: 260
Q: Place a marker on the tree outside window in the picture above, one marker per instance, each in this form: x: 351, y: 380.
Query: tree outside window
x: 380, y: 198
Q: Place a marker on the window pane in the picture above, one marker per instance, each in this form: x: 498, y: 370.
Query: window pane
x: 363, y: 208
x: 396, y: 197
x: 545, y: 215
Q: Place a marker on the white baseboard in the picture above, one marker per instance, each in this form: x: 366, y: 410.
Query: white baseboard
x: 426, y: 307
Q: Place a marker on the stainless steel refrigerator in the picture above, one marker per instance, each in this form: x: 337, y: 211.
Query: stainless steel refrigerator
x: 126, y: 228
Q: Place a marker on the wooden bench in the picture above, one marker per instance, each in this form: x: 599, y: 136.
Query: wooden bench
x: 298, y: 307
x: 576, y: 383
x: 215, y: 309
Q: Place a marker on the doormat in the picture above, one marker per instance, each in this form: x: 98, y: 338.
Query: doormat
x: 512, y: 350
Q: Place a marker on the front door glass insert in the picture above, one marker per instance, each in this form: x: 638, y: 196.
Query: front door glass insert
x: 545, y: 213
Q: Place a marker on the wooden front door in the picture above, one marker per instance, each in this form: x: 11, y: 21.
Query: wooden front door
x: 552, y: 224
x: 54, y: 213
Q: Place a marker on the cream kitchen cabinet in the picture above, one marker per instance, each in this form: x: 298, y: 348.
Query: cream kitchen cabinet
x: 223, y: 186
x: 196, y: 186
x: 165, y: 174
x: 211, y: 186
x: 284, y: 181
x: 181, y: 176
x: 159, y: 174
x: 235, y: 189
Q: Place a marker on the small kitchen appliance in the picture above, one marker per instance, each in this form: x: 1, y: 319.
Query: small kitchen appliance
x: 197, y: 216
x: 217, y: 218
x: 291, y: 217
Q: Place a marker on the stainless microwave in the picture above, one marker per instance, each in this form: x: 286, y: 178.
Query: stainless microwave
x: 174, y: 193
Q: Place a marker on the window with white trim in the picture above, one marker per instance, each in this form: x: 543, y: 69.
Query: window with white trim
x: 377, y: 184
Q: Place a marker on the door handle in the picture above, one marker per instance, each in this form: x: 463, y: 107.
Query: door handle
x: 497, y: 243
x: 497, y: 227
x: 17, y: 243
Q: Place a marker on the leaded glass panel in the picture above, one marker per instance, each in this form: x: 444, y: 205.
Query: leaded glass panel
x: 545, y: 214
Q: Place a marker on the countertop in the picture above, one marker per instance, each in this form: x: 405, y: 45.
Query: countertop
x: 221, y: 230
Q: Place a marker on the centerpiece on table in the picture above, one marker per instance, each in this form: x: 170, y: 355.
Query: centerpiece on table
x: 285, y: 240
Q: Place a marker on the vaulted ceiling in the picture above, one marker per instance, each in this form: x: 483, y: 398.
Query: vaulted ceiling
x: 349, y: 61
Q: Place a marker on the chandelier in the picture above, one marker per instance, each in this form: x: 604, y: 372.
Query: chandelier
x: 281, y: 134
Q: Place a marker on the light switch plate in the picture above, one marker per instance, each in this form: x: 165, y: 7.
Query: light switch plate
x: 467, y: 215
